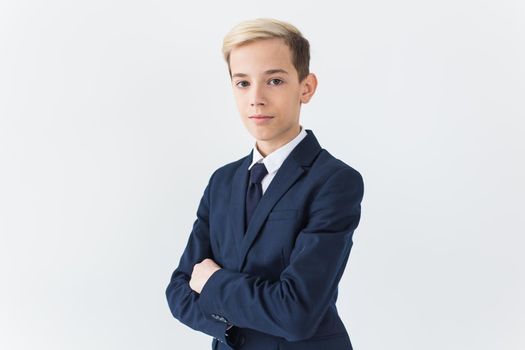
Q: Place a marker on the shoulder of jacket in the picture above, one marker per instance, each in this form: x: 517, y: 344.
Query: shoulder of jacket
x: 334, y: 166
x: 227, y: 171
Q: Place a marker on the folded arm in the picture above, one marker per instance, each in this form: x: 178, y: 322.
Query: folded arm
x: 182, y: 300
x: 293, y: 306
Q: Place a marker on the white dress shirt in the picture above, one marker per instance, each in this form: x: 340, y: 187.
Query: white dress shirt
x: 274, y: 160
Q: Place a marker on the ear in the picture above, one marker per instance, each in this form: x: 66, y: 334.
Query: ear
x: 309, y: 85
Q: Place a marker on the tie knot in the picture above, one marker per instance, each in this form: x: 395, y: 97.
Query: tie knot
x: 257, y: 172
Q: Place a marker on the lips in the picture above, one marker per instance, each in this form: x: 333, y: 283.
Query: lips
x: 260, y: 116
x: 261, y: 119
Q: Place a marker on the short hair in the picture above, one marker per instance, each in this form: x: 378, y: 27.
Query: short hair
x: 265, y: 28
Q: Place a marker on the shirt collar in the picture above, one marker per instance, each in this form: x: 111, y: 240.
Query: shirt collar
x: 274, y: 160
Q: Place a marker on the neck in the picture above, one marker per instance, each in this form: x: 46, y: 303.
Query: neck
x: 267, y: 147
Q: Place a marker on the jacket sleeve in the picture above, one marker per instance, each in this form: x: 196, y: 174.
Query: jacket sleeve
x: 182, y: 300
x: 293, y: 306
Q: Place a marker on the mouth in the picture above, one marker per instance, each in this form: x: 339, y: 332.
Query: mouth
x: 260, y: 118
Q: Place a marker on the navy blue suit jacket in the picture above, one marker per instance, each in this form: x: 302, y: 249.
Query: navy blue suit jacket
x: 279, y: 279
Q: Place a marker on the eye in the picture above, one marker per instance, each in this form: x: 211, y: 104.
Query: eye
x: 275, y: 79
x: 240, y: 82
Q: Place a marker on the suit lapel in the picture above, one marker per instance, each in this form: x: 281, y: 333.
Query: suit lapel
x: 237, y: 204
x: 292, y: 168
x: 287, y: 174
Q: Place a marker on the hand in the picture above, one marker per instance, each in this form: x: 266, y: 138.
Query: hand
x: 201, y: 272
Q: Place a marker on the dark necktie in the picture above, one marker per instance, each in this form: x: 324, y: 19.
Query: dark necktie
x: 254, y: 192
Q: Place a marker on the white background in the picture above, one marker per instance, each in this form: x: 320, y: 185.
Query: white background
x: 113, y: 115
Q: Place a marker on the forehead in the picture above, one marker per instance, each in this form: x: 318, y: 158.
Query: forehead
x: 256, y: 57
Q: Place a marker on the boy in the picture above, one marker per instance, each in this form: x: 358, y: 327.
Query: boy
x: 274, y: 229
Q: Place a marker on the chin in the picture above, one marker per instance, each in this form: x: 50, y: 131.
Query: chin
x: 261, y: 136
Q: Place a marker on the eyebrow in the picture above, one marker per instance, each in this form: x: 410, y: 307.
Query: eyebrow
x: 269, y: 71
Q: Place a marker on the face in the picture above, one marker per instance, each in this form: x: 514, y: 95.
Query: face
x: 267, y: 91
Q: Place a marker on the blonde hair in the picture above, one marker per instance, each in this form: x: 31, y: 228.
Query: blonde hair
x: 265, y: 28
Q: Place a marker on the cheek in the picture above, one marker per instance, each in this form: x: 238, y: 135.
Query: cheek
x: 239, y: 104
x: 240, y: 99
x: 288, y: 99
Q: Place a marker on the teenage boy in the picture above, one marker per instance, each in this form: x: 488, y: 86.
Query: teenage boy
x: 274, y: 229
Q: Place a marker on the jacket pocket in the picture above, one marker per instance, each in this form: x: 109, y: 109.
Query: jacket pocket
x: 284, y: 214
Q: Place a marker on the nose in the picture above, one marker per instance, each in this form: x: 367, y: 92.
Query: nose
x: 257, y: 98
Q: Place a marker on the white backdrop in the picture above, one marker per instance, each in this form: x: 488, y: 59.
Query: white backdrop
x: 113, y: 115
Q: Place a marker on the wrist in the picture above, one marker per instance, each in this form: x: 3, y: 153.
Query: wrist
x: 233, y: 336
